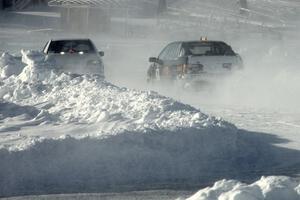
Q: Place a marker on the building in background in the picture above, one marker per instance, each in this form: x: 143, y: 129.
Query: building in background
x: 21, y: 4
x: 80, y: 15
x: 96, y: 15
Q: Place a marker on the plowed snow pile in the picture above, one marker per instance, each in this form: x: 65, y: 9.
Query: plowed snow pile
x: 267, y: 188
x: 65, y: 129
x: 65, y: 98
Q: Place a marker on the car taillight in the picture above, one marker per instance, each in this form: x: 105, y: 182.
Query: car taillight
x: 180, y: 70
x: 227, y: 65
x: 194, y: 69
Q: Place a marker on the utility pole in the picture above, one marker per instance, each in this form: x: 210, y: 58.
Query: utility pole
x: 243, y: 7
x: 162, y: 6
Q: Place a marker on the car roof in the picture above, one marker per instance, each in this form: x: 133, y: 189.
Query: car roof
x: 70, y: 39
x: 202, y: 41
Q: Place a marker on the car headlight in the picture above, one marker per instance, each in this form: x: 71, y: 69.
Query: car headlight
x: 94, y: 62
x: 227, y: 65
x: 195, y: 69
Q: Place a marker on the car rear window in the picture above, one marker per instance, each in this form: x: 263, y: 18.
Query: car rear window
x: 71, y: 46
x: 207, y: 48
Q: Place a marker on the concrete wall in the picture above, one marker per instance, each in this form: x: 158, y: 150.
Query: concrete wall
x: 38, y: 21
x: 81, y: 20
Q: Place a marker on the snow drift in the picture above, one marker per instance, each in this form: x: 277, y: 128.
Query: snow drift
x: 71, y: 98
x: 137, y: 137
x: 267, y: 188
x: 63, y: 133
x: 9, y: 65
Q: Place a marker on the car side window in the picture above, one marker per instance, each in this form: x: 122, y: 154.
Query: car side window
x: 225, y: 49
x: 181, y: 51
x: 175, y: 51
x: 171, y: 52
x: 46, y: 47
x: 164, y: 54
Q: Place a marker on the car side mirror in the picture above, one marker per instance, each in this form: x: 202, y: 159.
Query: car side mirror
x: 155, y: 60
x: 101, y: 53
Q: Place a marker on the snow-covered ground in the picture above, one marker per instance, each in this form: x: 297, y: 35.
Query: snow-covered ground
x: 136, y: 195
x: 64, y: 133
x: 267, y: 188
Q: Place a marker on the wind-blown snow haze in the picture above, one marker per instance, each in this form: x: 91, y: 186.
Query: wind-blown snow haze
x: 236, y: 137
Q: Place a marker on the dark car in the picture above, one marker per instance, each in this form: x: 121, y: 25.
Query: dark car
x: 78, y: 56
x: 193, y: 60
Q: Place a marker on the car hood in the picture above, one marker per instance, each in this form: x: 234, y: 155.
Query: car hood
x: 76, y: 63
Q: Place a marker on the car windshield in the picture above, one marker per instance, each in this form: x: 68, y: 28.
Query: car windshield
x: 207, y: 48
x: 71, y: 46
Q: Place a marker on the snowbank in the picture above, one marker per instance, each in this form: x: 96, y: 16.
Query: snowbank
x: 86, y: 99
x: 65, y: 130
x: 38, y: 67
x: 9, y: 65
x: 267, y: 188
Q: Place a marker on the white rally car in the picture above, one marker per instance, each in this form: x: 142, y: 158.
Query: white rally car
x: 78, y: 56
x: 194, y: 61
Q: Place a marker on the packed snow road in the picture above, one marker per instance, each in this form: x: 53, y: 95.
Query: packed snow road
x: 140, y: 195
x: 62, y: 133
x: 267, y: 188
